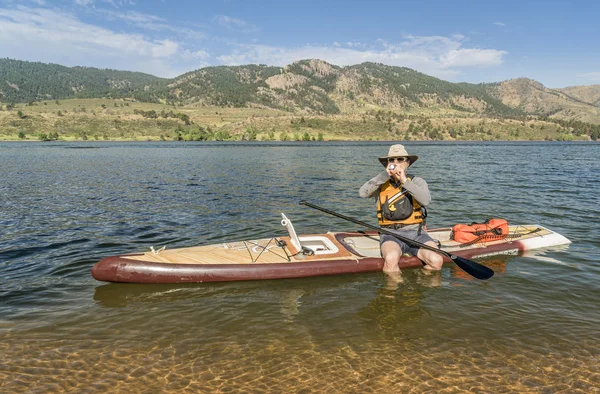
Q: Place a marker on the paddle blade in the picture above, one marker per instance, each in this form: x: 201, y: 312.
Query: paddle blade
x: 472, y: 268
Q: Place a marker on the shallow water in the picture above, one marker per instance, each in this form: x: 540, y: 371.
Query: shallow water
x: 534, y: 327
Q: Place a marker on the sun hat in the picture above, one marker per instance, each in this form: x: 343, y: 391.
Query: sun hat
x: 397, y: 150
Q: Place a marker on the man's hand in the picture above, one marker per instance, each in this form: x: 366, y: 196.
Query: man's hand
x: 397, y: 172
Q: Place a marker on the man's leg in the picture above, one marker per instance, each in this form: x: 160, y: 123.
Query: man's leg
x: 433, y: 261
x: 391, y: 253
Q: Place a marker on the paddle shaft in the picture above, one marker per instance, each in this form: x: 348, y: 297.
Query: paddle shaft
x: 379, y: 229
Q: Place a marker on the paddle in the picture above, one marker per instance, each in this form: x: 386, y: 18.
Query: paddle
x: 470, y: 267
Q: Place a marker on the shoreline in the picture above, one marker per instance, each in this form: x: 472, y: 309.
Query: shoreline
x: 295, y: 142
x: 112, y: 120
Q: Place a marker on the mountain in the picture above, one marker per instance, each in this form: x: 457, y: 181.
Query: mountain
x: 589, y: 94
x: 22, y: 81
x: 304, y: 87
x: 531, y: 97
x: 314, y: 86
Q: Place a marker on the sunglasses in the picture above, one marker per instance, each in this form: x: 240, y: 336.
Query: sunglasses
x: 398, y: 159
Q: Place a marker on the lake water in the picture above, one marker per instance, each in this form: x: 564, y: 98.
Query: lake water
x: 533, y: 328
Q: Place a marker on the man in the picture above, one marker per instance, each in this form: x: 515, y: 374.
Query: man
x: 401, y: 202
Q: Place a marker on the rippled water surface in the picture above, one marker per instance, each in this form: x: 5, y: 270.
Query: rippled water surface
x: 532, y: 328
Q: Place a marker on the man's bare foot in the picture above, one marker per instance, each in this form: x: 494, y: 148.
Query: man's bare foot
x: 394, y: 278
x: 429, y: 278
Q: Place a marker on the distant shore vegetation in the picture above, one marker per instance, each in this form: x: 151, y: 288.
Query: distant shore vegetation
x: 126, y: 120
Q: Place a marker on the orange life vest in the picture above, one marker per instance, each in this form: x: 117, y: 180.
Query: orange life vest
x: 490, y: 230
x: 396, y: 205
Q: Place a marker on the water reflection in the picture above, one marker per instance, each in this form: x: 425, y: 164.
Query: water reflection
x: 429, y: 278
x: 117, y: 295
x: 397, y: 308
x: 544, y: 255
x: 496, y: 263
x: 290, y: 304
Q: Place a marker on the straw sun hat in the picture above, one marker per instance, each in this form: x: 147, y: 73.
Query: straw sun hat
x: 397, y: 150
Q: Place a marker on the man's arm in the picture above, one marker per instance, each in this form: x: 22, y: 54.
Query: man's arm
x: 419, y: 190
x: 371, y: 187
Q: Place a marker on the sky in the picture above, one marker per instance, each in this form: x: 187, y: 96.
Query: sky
x: 554, y: 42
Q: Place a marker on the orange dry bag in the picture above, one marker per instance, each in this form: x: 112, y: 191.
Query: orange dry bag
x: 490, y: 230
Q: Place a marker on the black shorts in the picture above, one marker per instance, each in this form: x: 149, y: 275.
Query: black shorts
x: 410, y: 234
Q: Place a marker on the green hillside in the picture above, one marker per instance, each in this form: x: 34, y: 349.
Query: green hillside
x: 228, y: 86
x: 23, y: 82
x: 307, y: 99
x: 309, y: 86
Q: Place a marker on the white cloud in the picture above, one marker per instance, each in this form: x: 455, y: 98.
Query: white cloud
x: 114, y: 3
x: 84, y: 3
x: 434, y: 44
x: 592, y: 76
x: 351, y: 44
x: 57, y: 37
x: 472, y: 58
x: 164, y: 48
x: 191, y: 55
x: 443, y: 57
x: 499, y: 24
x: 235, y: 24
x: 119, y: 3
x: 151, y: 23
x: 169, y: 49
x: 131, y: 16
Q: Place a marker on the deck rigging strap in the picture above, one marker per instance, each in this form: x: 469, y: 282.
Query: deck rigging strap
x: 482, y: 238
x: 280, y: 243
x: 303, y: 250
x: 157, y: 251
